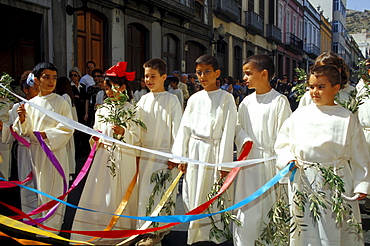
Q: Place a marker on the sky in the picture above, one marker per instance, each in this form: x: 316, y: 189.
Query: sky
x: 359, y: 5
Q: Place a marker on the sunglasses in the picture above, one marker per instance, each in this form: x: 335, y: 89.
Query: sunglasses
x: 96, y: 76
x: 73, y: 75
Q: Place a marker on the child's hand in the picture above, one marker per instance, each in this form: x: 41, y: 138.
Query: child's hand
x: 171, y: 165
x: 182, y: 167
x: 362, y: 196
x: 119, y: 130
x: 223, y: 174
x: 21, y: 113
x: 95, y: 138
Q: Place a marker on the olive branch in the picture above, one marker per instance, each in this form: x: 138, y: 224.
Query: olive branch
x: 226, y: 217
x: 118, y: 115
x: 160, y: 178
x: 281, y: 225
x: 6, y: 80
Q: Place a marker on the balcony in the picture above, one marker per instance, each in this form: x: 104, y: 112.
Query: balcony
x: 294, y: 44
x: 312, y: 50
x: 273, y: 33
x: 254, y: 23
x: 182, y: 8
x: 227, y: 10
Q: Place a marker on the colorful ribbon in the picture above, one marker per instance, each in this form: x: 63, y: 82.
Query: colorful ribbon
x: 6, y: 184
x: 78, y: 179
x: 19, y: 138
x: 31, y: 229
x: 174, y: 219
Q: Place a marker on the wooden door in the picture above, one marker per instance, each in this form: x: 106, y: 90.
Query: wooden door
x: 136, y: 49
x: 20, y: 43
x: 90, y: 34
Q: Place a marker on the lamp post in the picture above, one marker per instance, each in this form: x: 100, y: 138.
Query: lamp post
x: 220, y: 43
x: 273, y: 50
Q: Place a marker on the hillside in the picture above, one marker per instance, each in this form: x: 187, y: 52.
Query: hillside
x: 357, y: 20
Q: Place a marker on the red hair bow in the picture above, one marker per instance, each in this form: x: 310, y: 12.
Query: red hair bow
x: 119, y: 70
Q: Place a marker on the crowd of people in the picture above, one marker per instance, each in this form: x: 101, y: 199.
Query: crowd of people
x: 201, y: 117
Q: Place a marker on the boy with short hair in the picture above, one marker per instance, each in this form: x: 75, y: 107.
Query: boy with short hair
x: 55, y: 134
x: 176, y: 91
x: 325, y: 134
x: 161, y: 112
x: 260, y: 117
x: 206, y: 134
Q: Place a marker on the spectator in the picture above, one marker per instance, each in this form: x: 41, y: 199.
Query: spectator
x: 87, y: 79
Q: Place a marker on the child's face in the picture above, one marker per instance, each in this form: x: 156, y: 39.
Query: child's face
x: 253, y: 77
x: 153, y: 80
x: 321, y: 90
x: 48, y: 81
x: 31, y: 92
x: 207, y: 76
x: 109, y: 91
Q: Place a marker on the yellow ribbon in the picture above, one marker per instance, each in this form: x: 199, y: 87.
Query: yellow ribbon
x: 158, y: 208
x: 23, y: 227
x: 24, y: 241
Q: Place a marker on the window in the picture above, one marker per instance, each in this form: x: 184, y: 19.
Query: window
x: 198, y: 11
x: 262, y: 8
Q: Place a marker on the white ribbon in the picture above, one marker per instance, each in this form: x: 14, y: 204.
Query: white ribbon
x: 76, y: 125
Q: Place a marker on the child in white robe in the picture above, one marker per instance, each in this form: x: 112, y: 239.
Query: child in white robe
x: 206, y: 133
x: 24, y: 160
x: 326, y: 134
x: 260, y: 116
x: 102, y: 191
x: 55, y: 134
x: 330, y: 58
x: 161, y: 112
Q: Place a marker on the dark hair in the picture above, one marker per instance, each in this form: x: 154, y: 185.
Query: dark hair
x: 91, y: 62
x: 63, y: 86
x: 330, y: 58
x: 262, y: 62
x: 331, y: 72
x: 37, y: 70
x: 121, y: 81
x: 157, y: 64
x: 23, y: 82
x: 97, y: 70
x: 174, y: 80
x: 208, y: 60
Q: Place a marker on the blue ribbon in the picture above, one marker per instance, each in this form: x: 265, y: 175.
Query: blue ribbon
x: 181, y: 218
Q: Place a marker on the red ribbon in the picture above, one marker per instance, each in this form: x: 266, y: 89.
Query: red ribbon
x: 128, y: 233
x: 7, y: 184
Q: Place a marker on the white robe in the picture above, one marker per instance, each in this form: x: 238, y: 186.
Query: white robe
x: 330, y: 135
x: 24, y: 163
x: 363, y: 112
x: 102, y: 191
x: 161, y: 112
x: 260, y: 117
x: 5, y: 148
x: 206, y: 133
x: 71, y: 143
x: 47, y: 177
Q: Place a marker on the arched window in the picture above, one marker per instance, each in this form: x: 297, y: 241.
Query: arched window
x: 171, y: 51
